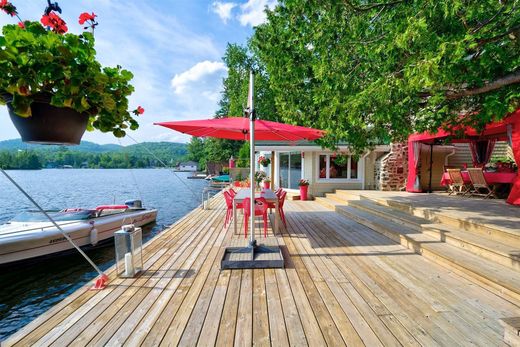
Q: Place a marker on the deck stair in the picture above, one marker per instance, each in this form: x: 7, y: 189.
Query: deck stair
x: 479, y: 256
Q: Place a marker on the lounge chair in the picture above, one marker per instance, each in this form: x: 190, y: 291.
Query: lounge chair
x: 457, y: 185
x: 480, y: 186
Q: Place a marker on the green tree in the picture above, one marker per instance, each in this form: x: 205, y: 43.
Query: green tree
x: 243, y: 155
x: 366, y: 71
x: 196, y: 149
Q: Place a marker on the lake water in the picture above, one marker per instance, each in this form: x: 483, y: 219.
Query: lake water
x: 28, y: 292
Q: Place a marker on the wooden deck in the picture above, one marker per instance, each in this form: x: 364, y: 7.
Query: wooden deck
x: 343, y: 284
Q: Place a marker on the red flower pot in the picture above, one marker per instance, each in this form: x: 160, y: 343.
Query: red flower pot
x: 237, y: 184
x: 303, y: 192
x: 267, y: 185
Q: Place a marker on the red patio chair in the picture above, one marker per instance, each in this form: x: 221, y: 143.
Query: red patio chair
x: 260, y: 210
x: 281, y: 200
x: 229, y: 205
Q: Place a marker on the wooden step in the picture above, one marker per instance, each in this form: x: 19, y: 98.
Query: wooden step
x: 326, y: 202
x: 348, y: 194
x: 502, y: 235
x: 494, y: 277
x: 504, y: 254
x: 478, y: 244
x: 511, y: 331
x: 335, y: 197
x: 396, y: 216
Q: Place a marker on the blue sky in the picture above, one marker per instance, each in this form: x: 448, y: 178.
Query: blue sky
x: 174, y: 48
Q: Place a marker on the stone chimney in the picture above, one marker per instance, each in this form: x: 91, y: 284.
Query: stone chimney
x: 394, y: 168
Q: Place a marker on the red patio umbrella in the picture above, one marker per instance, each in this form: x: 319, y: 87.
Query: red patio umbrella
x: 246, y: 128
x: 237, y: 128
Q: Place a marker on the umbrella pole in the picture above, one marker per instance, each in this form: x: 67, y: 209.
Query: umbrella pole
x: 260, y: 256
x: 251, y: 110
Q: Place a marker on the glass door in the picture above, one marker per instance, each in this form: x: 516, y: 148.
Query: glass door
x: 290, y: 169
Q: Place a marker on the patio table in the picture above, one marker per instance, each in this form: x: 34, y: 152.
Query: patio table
x: 491, y: 177
x: 268, y: 194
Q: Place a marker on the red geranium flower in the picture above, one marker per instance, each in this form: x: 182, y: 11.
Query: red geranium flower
x: 55, y: 22
x: 85, y: 16
x: 8, y: 8
x: 138, y: 111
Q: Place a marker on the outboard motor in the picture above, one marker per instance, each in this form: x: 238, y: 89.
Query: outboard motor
x: 134, y: 203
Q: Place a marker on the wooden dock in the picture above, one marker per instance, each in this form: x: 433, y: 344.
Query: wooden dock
x: 343, y: 284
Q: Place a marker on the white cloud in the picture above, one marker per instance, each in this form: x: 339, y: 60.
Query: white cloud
x: 196, y: 73
x: 223, y: 9
x: 253, y: 11
x: 196, y: 91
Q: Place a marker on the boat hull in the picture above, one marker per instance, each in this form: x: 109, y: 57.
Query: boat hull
x: 43, y: 239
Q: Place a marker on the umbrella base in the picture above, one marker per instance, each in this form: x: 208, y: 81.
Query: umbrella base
x: 252, y: 257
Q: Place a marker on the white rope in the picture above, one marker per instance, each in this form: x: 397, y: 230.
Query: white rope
x: 133, y: 176
x: 166, y: 166
x: 52, y: 221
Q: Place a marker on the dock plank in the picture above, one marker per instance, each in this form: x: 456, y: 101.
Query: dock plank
x: 228, y: 321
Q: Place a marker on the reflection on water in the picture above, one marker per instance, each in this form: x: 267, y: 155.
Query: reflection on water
x: 31, y: 290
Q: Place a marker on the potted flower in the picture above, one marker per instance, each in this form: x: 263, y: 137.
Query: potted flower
x: 237, y: 182
x: 259, y: 177
x: 53, y: 85
x: 264, y: 161
x: 267, y: 183
x: 304, y: 188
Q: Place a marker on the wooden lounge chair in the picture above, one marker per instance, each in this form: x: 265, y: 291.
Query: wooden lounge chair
x: 480, y: 186
x: 457, y: 185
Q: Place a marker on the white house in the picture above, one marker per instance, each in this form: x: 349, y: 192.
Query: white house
x: 190, y: 166
x: 326, y: 170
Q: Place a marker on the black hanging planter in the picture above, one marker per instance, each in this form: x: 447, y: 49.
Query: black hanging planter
x: 49, y: 125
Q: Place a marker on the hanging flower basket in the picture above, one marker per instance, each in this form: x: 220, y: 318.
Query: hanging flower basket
x: 52, y: 84
x: 264, y: 161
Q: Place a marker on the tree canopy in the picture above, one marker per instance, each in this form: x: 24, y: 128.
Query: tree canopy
x: 239, y: 60
x: 367, y: 72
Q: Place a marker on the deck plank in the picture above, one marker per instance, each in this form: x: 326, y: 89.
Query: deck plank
x: 228, y: 321
x: 208, y: 334
x: 244, y: 328
x: 277, y: 327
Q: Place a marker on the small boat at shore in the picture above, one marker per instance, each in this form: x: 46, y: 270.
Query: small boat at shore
x: 30, y: 235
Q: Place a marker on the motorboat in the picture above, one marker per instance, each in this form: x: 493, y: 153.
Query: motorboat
x: 31, y: 235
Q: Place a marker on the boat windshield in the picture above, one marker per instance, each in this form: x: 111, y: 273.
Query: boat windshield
x: 59, y: 216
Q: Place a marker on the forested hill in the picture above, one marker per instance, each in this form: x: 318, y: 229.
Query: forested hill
x: 14, y: 154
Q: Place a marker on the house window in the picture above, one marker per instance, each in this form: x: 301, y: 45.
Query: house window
x: 337, y: 167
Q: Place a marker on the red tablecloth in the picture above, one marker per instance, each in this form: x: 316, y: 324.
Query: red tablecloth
x: 491, y: 177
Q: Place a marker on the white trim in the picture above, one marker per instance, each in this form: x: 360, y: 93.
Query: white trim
x: 361, y: 163
x: 289, y: 152
x: 311, y: 148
